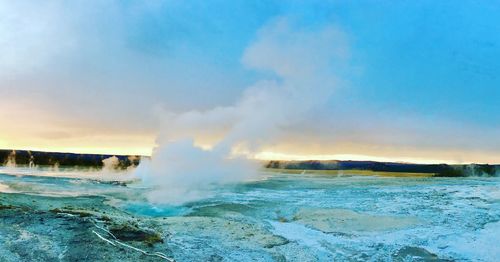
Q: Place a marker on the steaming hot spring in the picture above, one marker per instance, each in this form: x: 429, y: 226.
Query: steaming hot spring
x: 155, y: 212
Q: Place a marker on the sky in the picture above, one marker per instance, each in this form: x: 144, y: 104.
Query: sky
x: 384, y: 80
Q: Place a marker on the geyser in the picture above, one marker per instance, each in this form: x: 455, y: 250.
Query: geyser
x: 181, y: 172
x: 301, y: 84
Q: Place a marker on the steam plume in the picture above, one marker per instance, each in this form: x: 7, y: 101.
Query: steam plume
x: 11, y: 159
x: 300, y: 63
x: 110, y: 164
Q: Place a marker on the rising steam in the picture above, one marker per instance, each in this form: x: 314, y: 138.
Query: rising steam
x: 110, y: 164
x: 11, y: 160
x: 300, y: 63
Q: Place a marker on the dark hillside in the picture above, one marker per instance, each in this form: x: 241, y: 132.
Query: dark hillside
x: 23, y: 157
x: 443, y: 170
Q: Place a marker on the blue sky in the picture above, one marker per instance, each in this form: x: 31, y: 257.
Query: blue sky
x: 417, y: 80
x: 426, y: 57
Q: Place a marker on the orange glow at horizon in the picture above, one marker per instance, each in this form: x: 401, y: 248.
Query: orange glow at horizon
x: 346, y: 157
x: 95, y: 145
x: 87, y: 150
x: 144, y: 147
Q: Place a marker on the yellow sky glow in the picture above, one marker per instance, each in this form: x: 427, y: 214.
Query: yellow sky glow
x: 283, y: 156
x: 289, y: 151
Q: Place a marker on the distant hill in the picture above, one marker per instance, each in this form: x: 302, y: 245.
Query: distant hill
x: 24, y: 157
x: 442, y: 170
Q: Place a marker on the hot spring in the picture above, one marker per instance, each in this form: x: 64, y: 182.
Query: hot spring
x: 277, y: 217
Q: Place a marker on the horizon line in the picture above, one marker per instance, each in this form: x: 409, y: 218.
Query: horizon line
x: 286, y: 157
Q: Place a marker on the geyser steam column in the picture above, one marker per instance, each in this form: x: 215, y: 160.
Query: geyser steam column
x: 181, y: 172
x: 302, y: 62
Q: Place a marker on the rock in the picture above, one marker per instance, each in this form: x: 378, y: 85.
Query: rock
x: 416, y: 254
x: 128, y: 232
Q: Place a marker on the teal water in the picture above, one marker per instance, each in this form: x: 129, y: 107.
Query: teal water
x: 322, y: 217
